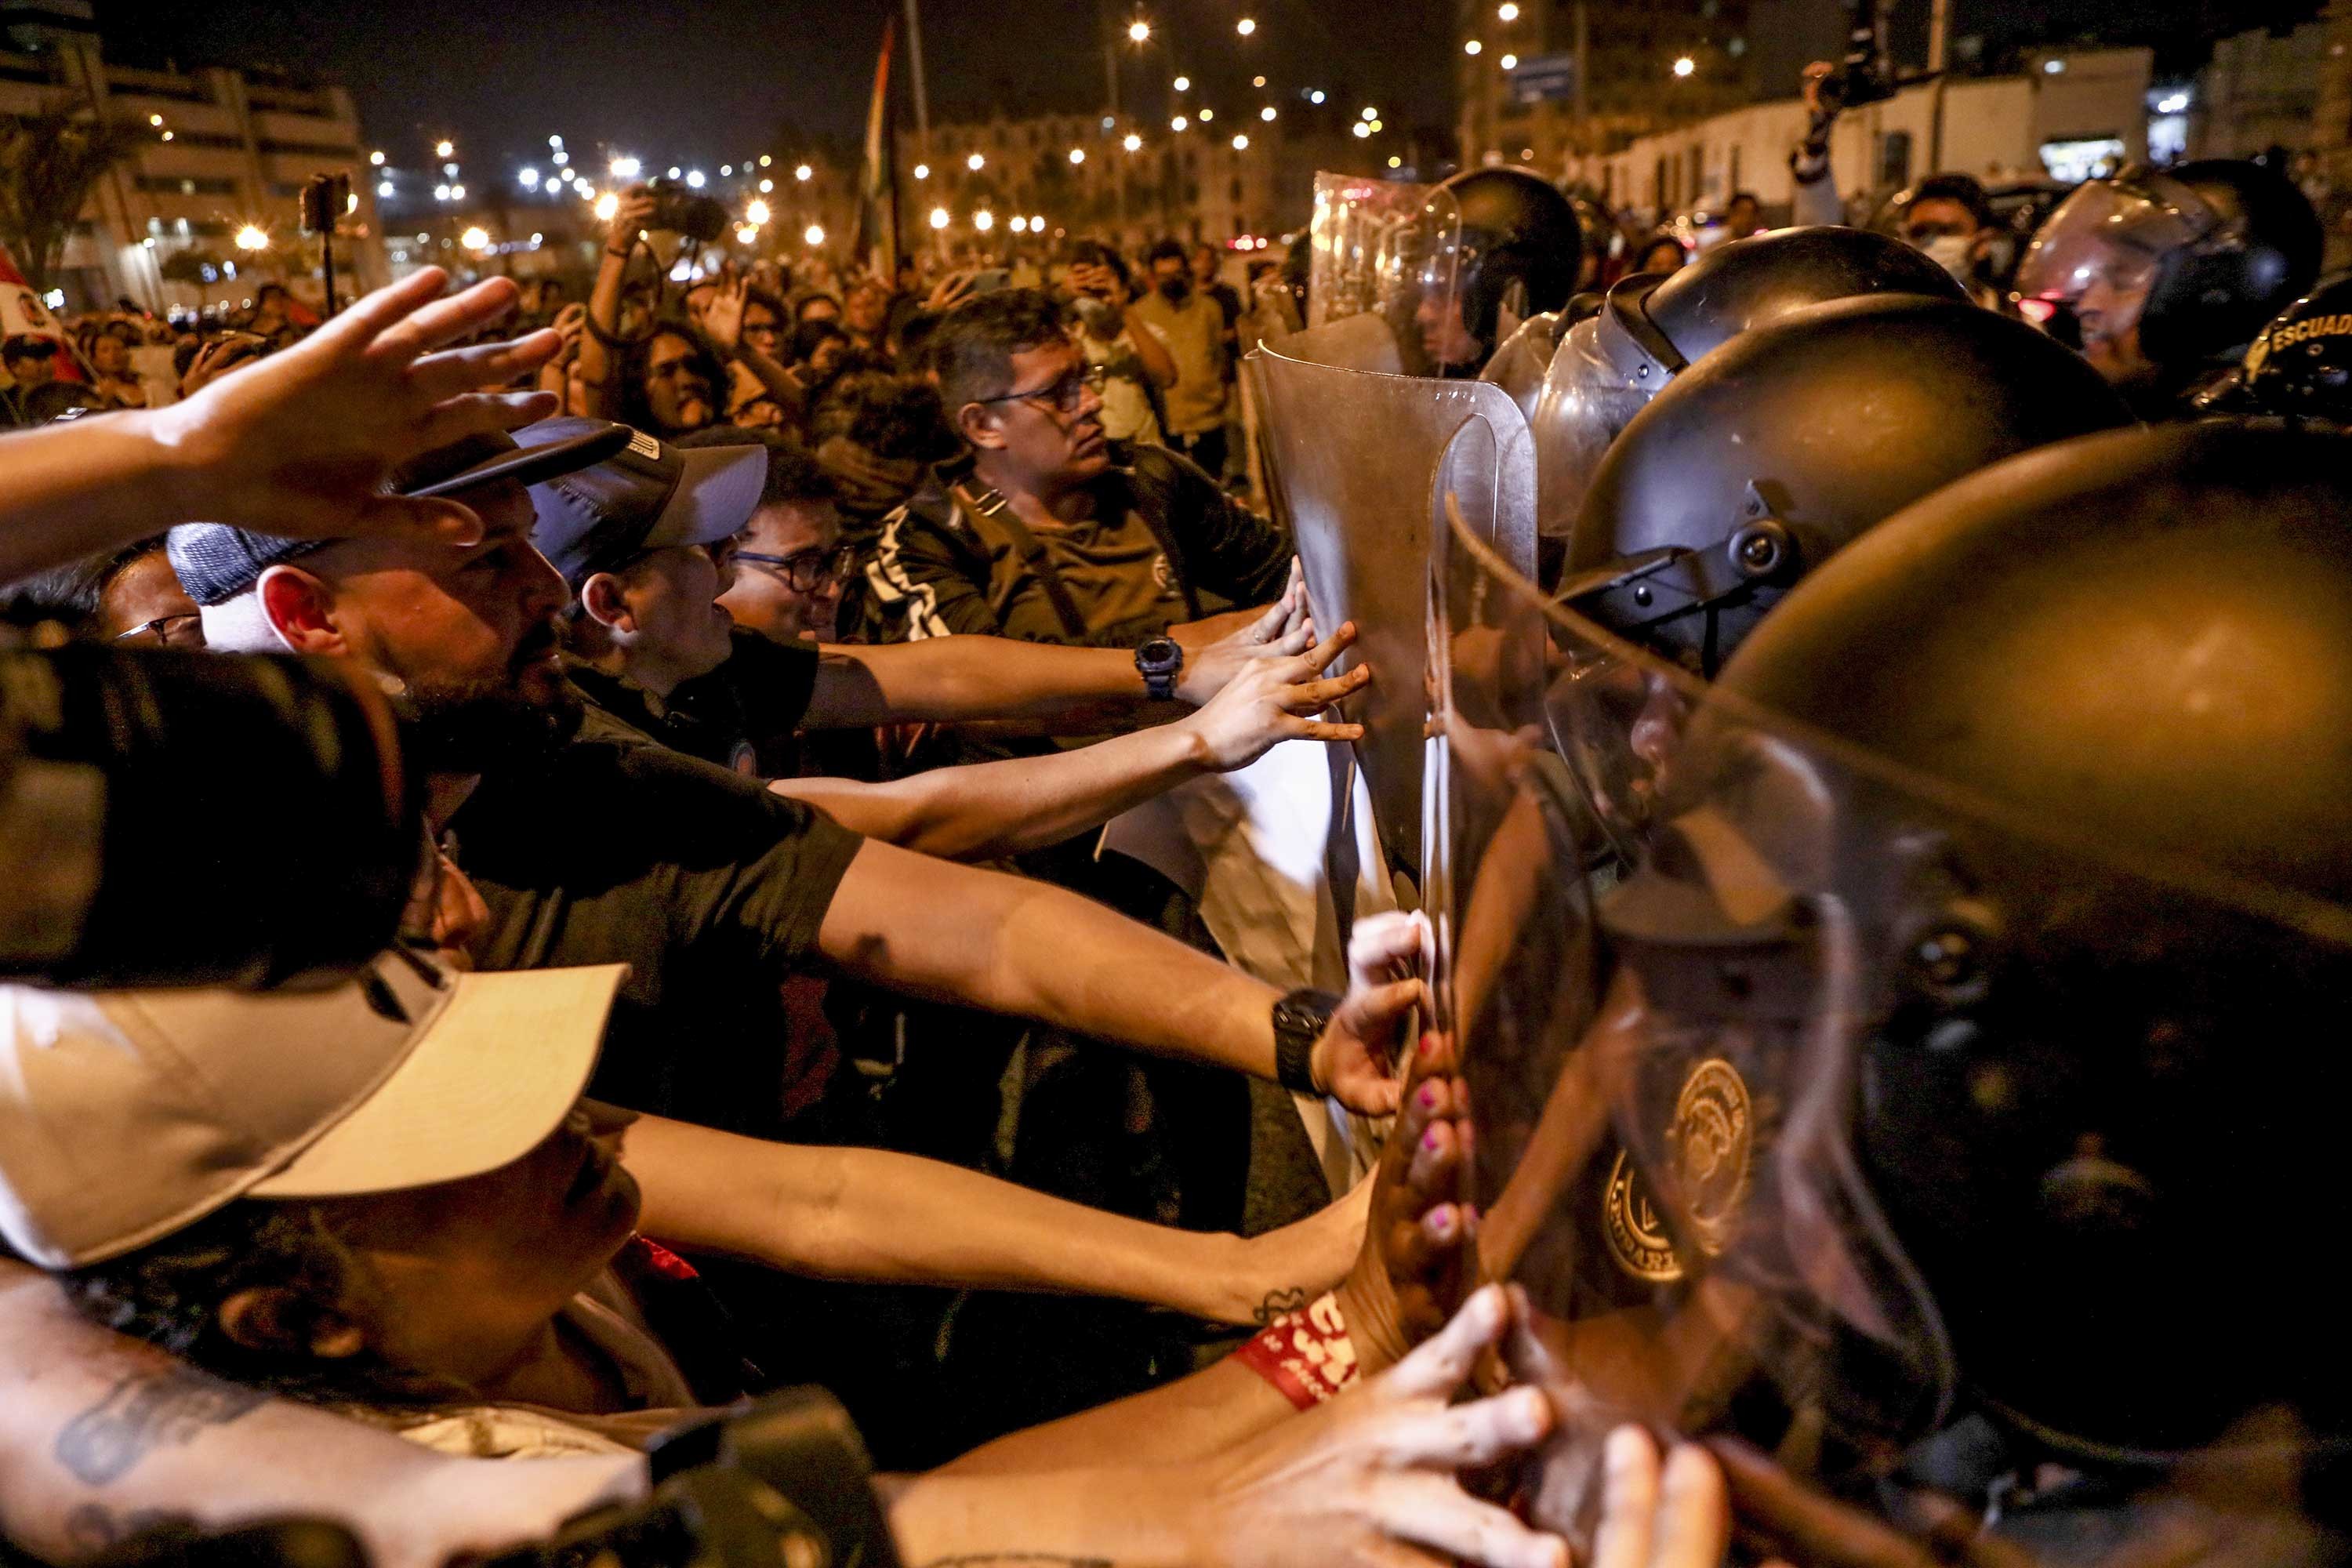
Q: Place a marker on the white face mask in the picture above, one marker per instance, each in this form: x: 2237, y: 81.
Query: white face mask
x: 1951, y: 252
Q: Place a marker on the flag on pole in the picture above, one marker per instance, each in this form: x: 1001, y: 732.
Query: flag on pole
x: 877, y: 201
x: 23, y: 314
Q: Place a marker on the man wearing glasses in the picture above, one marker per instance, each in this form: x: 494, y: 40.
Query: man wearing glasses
x: 1057, y: 534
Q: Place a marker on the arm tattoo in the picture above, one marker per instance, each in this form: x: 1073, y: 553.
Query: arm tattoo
x: 145, y: 1411
x: 1278, y: 1301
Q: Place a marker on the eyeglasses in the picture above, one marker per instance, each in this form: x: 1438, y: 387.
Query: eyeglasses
x: 185, y: 629
x: 805, y: 571
x: 1064, y: 394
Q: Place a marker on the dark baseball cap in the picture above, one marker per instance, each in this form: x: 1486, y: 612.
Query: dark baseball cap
x: 216, y: 563
x: 647, y: 496
x: 27, y: 345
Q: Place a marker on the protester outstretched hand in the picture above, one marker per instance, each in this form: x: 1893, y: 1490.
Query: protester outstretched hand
x: 1218, y: 648
x: 1275, y: 699
x: 299, y: 444
x: 1367, y: 1480
x: 1355, y: 1061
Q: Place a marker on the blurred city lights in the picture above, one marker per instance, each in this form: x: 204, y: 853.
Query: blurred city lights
x: 939, y: 217
x: 814, y: 233
x: 443, y: 149
x: 1507, y: 11
x: 1139, y: 31
x: 376, y: 159
x: 1510, y: 62
x: 1077, y: 154
x: 606, y: 206
x: 1241, y: 143
x: 1472, y: 47
x: 922, y: 171
x: 1685, y: 66
x: 1178, y: 123
x: 1183, y: 84
x: 695, y: 179
x: 975, y: 162
x: 530, y: 176
x: 1245, y: 26
x: 757, y: 211
x: 803, y: 173
x: 1267, y: 114
x: 252, y: 237
x: 623, y: 168
x: 474, y: 239
x: 983, y: 220
x: 1133, y: 143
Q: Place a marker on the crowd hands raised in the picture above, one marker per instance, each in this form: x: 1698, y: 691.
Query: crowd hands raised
x: 454, y: 1282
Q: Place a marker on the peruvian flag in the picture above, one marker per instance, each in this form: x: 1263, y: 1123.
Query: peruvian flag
x: 21, y: 311
x: 878, y: 196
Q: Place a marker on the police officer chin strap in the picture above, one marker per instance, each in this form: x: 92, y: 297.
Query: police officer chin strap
x: 1636, y: 592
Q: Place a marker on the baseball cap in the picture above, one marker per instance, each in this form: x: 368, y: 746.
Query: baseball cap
x: 27, y: 345
x: 127, y: 1115
x: 645, y: 497
x: 216, y: 563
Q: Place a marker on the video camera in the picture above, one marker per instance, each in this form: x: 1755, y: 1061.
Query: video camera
x: 682, y: 210
x: 1866, y: 76
x: 142, y: 794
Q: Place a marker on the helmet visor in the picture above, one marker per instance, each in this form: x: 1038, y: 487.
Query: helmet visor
x: 2098, y: 251
x: 1826, y: 1101
x: 1590, y: 394
x: 1386, y: 252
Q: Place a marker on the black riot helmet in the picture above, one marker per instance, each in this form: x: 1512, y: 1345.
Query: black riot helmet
x: 1514, y: 241
x: 2301, y: 364
x: 2197, y: 258
x: 1650, y: 329
x: 1782, y: 446
x: 2005, y: 891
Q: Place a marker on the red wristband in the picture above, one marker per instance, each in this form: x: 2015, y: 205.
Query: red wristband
x: 1307, y: 1354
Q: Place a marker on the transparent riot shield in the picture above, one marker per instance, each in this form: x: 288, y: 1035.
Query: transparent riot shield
x: 1914, y: 1151
x: 1384, y: 260
x: 1356, y: 461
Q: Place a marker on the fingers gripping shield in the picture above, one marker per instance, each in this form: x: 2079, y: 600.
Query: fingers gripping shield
x: 1827, y: 1106
x: 1357, y: 462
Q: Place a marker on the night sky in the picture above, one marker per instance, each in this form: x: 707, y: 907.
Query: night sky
x: 714, y: 80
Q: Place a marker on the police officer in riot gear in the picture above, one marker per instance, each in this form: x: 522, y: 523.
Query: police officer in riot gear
x: 2161, y: 276
x: 1965, y: 1013
x: 2299, y: 367
x: 1649, y: 329
x: 1792, y: 439
x: 1513, y: 254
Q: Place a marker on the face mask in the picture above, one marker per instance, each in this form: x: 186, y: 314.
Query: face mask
x: 1950, y: 252
x: 1175, y: 289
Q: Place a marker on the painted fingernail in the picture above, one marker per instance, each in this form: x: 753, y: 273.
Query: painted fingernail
x: 1429, y: 1042
x: 1429, y: 1140
x: 1429, y: 1097
x: 1441, y: 1221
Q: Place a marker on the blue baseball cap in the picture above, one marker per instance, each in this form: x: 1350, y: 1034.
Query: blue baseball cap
x: 647, y: 496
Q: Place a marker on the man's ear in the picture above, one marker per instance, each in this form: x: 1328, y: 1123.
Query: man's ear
x: 274, y: 1321
x: 607, y: 604
x: 300, y: 609
x: 979, y: 427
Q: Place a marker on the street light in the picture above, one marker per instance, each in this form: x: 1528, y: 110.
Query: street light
x: 756, y: 213
x: 1257, y: 81
x: 1077, y: 154
x: 623, y: 168
x: 476, y: 238
x: 1507, y: 11
x: 1245, y: 26
x: 1183, y: 84
x: 530, y: 176
x: 767, y: 185
x: 1314, y: 97
x: 251, y: 237
x: 1178, y: 123
x: 939, y: 217
x: 1207, y: 115
x: 746, y: 235
x: 1133, y: 143
x: 1019, y: 224
x: 1370, y: 113
x: 1510, y: 62
x: 606, y: 206
x: 1267, y: 114
x: 804, y: 174
x: 1362, y: 128
x: 815, y: 234
x: 983, y: 220
x: 444, y: 149
x: 1036, y: 224
x: 1139, y: 31
x: 1241, y: 143
x: 975, y: 162
x: 922, y: 171
x: 1472, y: 47
x: 456, y: 193
x: 383, y: 187
x: 1684, y: 65
x: 440, y: 193
x: 696, y: 179
x: 376, y: 159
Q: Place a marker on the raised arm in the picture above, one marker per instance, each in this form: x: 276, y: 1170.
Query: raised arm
x: 100, y: 1434
x: 959, y: 933
x: 297, y: 444
x: 877, y: 1218
x: 599, y: 362
x: 968, y: 679
x: 989, y: 810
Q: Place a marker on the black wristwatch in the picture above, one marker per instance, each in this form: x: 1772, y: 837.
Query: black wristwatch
x: 1160, y: 659
x: 1299, y: 1019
